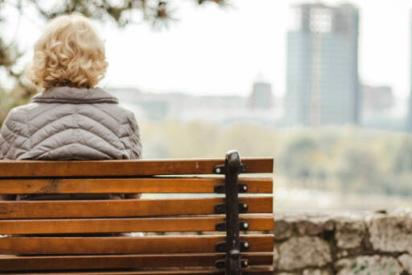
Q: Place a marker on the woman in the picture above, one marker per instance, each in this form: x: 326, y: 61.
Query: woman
x: 71, y: 119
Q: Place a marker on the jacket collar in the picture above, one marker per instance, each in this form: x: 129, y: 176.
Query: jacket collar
x: 73, y: 95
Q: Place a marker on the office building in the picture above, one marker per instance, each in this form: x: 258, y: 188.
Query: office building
x: 322, y: 66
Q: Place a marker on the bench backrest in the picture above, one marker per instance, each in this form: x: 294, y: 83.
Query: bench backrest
x: 186, y: 213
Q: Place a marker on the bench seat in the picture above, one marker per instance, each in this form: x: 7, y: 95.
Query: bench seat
x: 186, y: 221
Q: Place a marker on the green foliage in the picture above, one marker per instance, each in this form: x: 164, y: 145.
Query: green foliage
x: 341, y: 159
x: 10, y: 99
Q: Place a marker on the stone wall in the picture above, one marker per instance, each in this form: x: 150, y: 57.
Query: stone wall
x: 375, y: 244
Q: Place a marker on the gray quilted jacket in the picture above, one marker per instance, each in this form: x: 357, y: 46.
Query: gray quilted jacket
x: 66, y: 123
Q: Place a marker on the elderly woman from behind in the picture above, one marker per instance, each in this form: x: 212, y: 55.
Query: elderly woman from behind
x: 71, y: 119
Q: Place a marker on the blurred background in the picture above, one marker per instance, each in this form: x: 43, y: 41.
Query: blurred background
x: 323, y: 86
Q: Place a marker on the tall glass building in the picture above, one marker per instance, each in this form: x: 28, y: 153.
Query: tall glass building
x: 322, y: 66
x: 408, y: 120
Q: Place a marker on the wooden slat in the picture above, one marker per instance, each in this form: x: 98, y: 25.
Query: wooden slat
x: 263, y: 271
x: 126, y: 185
x: 157, y: 272
x: 122, y: 168
x: 125, y: 245
x: 180, y: 224
x: 121, y: 208
x: 171, y: 272
x: 118, y: 262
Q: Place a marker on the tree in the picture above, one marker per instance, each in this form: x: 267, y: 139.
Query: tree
x: 158, y: 13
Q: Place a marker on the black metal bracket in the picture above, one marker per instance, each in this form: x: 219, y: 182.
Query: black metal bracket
x: 244, y: 226
x: 220, y: 189
x: 223, y: 247
x: 221, y: 169
x: 232, y: 246
x: 221, y: 208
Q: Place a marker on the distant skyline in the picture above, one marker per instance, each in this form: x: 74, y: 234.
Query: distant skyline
x: 222, y: 51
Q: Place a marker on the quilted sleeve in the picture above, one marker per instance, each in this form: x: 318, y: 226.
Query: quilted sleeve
x: 135, y: 142
x: 12, y: 128
x: 7, y: 136
x: 4, y: 148
x: 3, y: 145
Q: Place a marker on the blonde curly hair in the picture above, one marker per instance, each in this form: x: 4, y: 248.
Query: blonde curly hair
x: 69, y: 53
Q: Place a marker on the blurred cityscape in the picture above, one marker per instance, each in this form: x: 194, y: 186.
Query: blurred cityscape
x: 346, y: 146
x: 323, y: 85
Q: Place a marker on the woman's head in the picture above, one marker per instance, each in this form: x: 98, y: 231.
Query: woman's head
x: 69, y: 53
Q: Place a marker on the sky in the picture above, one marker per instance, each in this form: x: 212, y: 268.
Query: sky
x: 215, y: 51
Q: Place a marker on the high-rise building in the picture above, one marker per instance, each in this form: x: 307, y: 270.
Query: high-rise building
x: 408, y: 121
x: 262, y: 96
x: 376, y: 99
x: 322, y: 66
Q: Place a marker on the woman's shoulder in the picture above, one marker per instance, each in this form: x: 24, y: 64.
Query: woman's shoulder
x: 20, y: 113
x: 15, y: 124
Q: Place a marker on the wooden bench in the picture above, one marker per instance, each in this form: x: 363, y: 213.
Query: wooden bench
x: 218, y: 223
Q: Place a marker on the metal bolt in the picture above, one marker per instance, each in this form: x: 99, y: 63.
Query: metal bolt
x: 245, y: 225
x: 218, y: 170
x: 245, y: 245
x: 244, y: 188
x: 245, y: 263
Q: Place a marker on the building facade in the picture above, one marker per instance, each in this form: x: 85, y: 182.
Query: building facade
x: 408, y: 120
x: 261, y: 97
x: 322, y: 66
x: 376, y: 99
x: 182, y: 107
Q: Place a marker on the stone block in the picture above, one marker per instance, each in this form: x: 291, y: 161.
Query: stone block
x: 391, y: 233
x: 316, y: 272
x: 368, y: 265
x: 406, y: 262
x: 303, y: 252
x: 349, y: 234
x: 283, y: 230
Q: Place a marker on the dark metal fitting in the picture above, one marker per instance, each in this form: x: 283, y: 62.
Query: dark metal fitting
x: 219, y: 189
x: 244, y: 225
x: 220, y: 209
x: 234, y: 253
x: 219, y: 169
x: 243, y: 207
x: 244, y: 263
x: 220, y: 227
x: 244, y: 246
x: 243, y: 188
